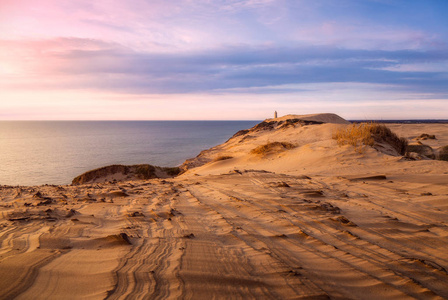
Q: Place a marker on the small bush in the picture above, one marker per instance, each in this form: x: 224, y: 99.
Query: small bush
x: 271, y: 147
x: 368, y: 134
x: 443, y: 154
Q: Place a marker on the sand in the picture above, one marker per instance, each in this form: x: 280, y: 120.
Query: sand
x: 316, y: 221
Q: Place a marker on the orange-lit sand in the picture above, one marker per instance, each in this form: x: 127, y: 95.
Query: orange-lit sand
x: 314, y: 222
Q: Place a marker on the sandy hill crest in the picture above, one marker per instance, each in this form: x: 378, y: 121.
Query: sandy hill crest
x: 284, y: 129
x: 304, y: 144
x: 270, y: 141
x: 324, y: 118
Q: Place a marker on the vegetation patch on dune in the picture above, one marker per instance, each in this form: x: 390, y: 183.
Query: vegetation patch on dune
x: 149, y: 171
x: 272, y: 147
x: 382, y: 133
x: 370, y: 134
x: 100, y: 172
x: 422, y: 150
x: 443, y: 154
x: 223, y: 157
x: 425, y: 136
x: 356, y: 135
x: 143, y: 171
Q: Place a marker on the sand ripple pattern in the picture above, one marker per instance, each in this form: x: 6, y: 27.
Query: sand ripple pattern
x: 242, y: 235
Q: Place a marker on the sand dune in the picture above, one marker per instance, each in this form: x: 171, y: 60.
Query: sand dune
x: 314, y: 221
x: 324, y: 118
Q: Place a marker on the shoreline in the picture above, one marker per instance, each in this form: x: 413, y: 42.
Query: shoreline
x: 55, y: 153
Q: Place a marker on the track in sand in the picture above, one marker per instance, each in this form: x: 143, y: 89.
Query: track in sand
x: 246, y: 235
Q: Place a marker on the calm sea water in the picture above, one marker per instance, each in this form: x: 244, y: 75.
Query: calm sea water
x: 54, y: 152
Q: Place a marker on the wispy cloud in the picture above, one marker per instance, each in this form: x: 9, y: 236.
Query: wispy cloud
x: 95, y: 64
x: 238, y: 47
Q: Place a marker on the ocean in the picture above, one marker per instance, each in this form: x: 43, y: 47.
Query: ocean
x: 54, y: 152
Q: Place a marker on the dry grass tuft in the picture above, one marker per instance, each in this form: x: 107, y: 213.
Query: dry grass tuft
x: 356, y: 135
x: 272, y: 147
x: 367, y: 134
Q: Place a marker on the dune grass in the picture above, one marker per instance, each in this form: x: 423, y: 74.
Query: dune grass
x: 145, y: 171
x: 367, y: 134
x: 272, y: 147
x: 356, y: 135
x: 148, y: 171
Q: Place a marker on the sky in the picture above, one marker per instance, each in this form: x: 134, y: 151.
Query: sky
x: 222, y: 59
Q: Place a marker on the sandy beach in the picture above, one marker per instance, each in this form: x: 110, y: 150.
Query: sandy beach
x: 279, y: 211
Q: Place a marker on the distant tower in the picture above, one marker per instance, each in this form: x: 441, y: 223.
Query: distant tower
x: 275, y: 115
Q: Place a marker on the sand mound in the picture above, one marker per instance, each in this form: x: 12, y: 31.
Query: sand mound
x: 287, y: 129
x: 121, y: 172
x: 313, y: 147
x: 315, y: 151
